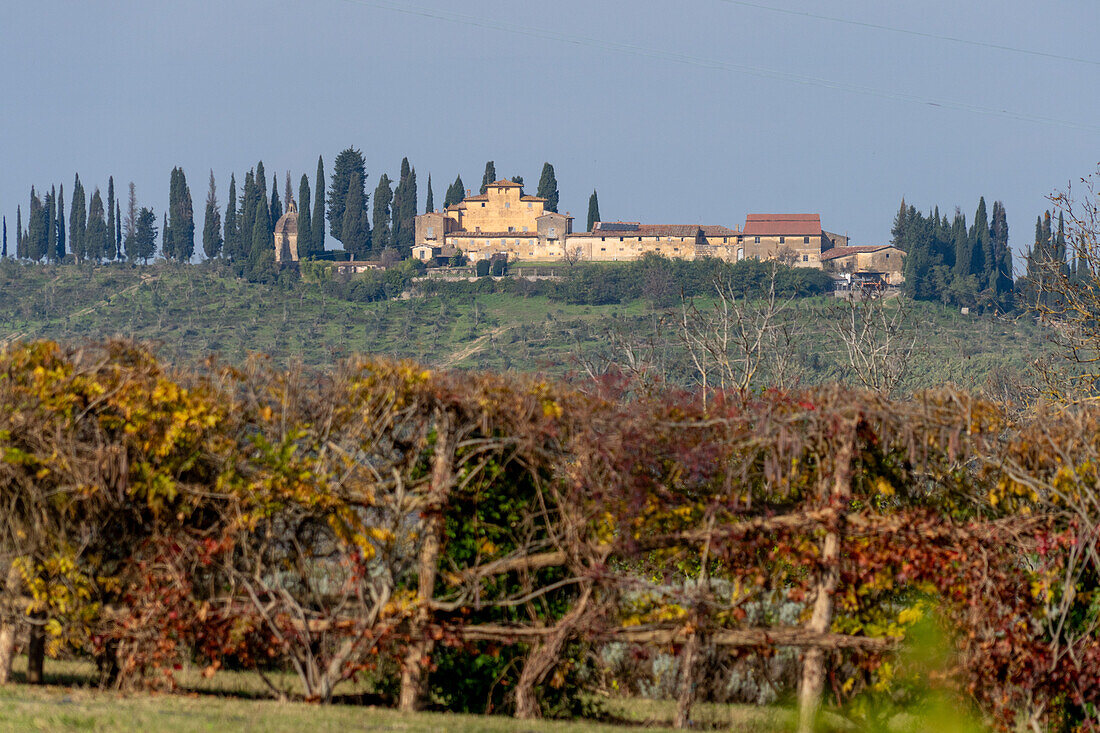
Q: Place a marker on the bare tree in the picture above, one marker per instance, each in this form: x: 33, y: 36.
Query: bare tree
x: 1068, y: 301
x: 740, y: 340
x: 877, y: 336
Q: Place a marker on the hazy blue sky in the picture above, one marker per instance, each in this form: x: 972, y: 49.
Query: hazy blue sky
x: 670, y: 109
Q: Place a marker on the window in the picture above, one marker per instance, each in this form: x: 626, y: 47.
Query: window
x: 525, y: 229
x: 507, y: 204
x: 757, y: 240
x: 805, y: 240
x: 620, y: 239
x: 782, y: 240
x: 740, y: 239
x: 725, y: 240
x: 477, y: 230
x: 675, y: 249
x: 553, y: 231
x: 431, y: 232
x: 528, y: 206
x: 483, y: 204
x: 603, y: 249
x: 511, y: 229
x: 887, y: 255
x: 805, y: 258
x: 639, y: 239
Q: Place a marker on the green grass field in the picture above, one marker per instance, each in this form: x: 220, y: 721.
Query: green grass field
x: 232, y: 701
x: 194, y: 311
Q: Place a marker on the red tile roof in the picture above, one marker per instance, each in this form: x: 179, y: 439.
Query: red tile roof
x: 835, y: 252
x: 531, y: 198
x: 504, y: 183
x: 774, y: 225
x: 714, y: 230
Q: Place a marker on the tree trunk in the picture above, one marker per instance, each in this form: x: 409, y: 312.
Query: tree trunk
x: 36, y: 649
x: 7, y: 650
x: 685, y: 695
x: 813, y: 665
x: 544, y: 656
x: 414, y: 671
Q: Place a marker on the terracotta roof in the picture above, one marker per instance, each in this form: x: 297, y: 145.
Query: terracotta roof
x: 772, y: 225
x: 531, y: 198
x: 553, y: 215
x: 505, y: 184
x: 714, y: 230
x: 835, y: 252
x: 479, y: 197
x: 288, y: 222
x: 615, y: 226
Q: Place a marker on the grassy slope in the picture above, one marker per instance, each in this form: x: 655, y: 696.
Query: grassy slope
x: 192, y: 311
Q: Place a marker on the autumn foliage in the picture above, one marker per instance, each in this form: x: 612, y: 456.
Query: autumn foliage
x: 387, y: 519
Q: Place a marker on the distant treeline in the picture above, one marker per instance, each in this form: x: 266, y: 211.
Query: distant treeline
x: 947, y: 261
x: 245, y: 234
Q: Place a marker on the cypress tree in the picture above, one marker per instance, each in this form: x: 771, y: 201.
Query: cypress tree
x: 356, y: 234
x: 110, y: 252
x: 246, y: 216
x: 4, y: 252
x: 548, y: 187
x: 19, y: 253
x: 212, y: 224
x: 164, y: 235
x: 963, y: 247
x: 981, y: 248
x: 288, y: 194
x: 96, y: 233
x: 229, y: 228
x: 78, y: 222
x: 348, y: 163
x: 180, y: 240
x: 382, y: 235
x: 276, y: 203
x: 517, y: 179
x: 1002, y: 253
x: 261, y: 259
x: 455, y: 193
x: 593, y: 209
x: 317, y: 221
x: 36, y: 228
x: 51, y: 224
x: 118, y: 231
x: 404, y: 210
x: 305, y: 223
x: 129, y: 243
x: 490, y: 176
x: 1060, y: 243
x: 60, y: 223
x: 144, y: 235
x: 429, y: 205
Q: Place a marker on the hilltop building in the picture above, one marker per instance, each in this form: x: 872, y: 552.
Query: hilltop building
x: 505, y: 222
x: 286, y: 235
x: 880, y: 263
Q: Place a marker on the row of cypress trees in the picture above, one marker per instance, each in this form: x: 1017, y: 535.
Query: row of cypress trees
x: 245, y: 234
x: 950, y: 262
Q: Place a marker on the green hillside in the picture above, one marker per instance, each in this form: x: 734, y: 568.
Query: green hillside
x: 194, y: 310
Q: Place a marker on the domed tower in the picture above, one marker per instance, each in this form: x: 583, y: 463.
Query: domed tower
x: 286, y: 235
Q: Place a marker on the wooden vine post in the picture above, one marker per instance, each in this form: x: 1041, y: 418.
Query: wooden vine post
x: 813, y: 665
x: 414, y: 671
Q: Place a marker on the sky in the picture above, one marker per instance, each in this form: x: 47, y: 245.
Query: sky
x: 697, y: 111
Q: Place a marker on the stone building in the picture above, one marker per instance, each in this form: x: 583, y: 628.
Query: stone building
x: 286, y: 235
x: 500, y: 221
x: 882, y: 262
x: 504, y: 221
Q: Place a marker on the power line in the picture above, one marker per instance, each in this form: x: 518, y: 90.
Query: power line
x: 910, y: 32
x: 706, y: 63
